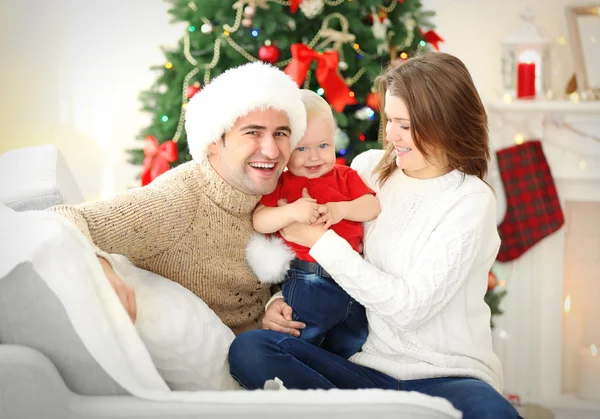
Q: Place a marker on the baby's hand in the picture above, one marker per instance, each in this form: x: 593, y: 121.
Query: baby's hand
x: 306, y: 209
x: 331, y: 213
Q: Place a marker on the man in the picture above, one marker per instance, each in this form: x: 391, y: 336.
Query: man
x: 191, y: 224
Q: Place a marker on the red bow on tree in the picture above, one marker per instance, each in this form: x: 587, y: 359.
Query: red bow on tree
x: 432, y: 38
x: 336, y: 91
x: 157, y: 158
x: 294, y: 4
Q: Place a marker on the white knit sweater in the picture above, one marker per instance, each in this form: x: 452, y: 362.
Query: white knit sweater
x: 423, y: 276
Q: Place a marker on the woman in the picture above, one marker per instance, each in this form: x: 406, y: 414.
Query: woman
x: 427, y: 257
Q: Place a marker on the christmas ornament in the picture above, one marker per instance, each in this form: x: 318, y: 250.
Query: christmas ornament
x: 341, y: 139
x: 373, y: 101
x: 162, y: 89
x: 335, y: 90
x: 492, y: 281
x: 294, y: 5
x: 157, y: 158
x: 380, y: 29
x: 332, y: 36
x: 532, y: 206
x: 268, y: 53
x: 364, y: 113
x: 312, y: 8
x: 249, y: 12
x: 291, y: 24
x: 382, y: 15
x: 432, y: 38
x: 191, y: 90
x: 206, y: 28
x: 343, y: 65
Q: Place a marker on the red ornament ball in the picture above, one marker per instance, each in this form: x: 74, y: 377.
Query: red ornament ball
x: 269, y: 53
x: 192, y: 90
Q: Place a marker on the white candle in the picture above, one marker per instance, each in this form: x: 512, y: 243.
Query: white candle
x: 573, y: 335
x: 589, y: 374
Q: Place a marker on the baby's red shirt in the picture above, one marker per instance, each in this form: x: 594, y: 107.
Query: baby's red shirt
x: 339, y: 184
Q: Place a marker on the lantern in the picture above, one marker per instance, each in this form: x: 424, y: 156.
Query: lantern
x: 526, y: 62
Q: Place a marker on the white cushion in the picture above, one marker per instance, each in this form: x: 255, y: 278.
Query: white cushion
x: 35, y: 178
x: 186, y: 339
x: 176, y: 329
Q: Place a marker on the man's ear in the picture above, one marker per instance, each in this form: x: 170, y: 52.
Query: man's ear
x: 213, y: 147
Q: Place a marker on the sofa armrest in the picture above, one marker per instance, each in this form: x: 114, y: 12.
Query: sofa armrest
x: 35, y: 178
x: 32, y: 315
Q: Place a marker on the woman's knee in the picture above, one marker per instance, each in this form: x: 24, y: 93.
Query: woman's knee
x: 494, y: 410
x: 486, y: 403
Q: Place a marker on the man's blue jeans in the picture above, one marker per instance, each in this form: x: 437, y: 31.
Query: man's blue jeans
x: 334, y: 320
x: 260, y: 355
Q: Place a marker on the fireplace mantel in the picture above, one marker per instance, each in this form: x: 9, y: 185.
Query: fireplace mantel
x: 528, y: 336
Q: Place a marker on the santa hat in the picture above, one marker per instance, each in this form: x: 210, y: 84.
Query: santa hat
x: 235, y: 93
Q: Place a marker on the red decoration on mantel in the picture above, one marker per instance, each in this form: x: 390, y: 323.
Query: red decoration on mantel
x: 526, y: 80
x: 157, y: 158
x: 533, y: 209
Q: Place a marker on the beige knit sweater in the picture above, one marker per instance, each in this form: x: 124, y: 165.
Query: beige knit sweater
x: 190, y: 226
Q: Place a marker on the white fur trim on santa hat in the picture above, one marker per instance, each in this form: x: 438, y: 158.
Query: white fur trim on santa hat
x: 232, y: 95
x: 269, y: 258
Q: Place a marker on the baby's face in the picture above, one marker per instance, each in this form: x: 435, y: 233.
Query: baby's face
x: 314, y: 155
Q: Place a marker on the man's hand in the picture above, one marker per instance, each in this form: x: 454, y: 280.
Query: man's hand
x: 306, y: 209
x: 124, y: 291
x: 279, y: 318
x: 331, y: 213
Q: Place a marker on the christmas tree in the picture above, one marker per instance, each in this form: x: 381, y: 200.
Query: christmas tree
x: 335, y: 47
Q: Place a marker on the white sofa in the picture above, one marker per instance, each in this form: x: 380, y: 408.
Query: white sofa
x: 47, y: 372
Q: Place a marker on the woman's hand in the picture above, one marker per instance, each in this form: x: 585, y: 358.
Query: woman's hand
x: 279, y: 318
x: 302, y: 234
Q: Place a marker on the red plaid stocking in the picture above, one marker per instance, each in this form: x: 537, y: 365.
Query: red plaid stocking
x: 532, y: 205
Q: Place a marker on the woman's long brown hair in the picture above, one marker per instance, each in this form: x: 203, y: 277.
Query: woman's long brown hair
x: 445, y: 110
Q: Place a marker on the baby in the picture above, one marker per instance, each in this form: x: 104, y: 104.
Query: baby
x: 320, y: 192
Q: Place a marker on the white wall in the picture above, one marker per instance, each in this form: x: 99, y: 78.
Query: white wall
x: 473, y: 30
x: 70, y: 75
x: 71, y: 70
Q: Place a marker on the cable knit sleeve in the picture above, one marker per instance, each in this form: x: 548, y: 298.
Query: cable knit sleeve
x: 140, y: 222
x: 446, y: 260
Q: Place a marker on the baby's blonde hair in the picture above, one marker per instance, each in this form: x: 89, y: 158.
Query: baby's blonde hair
x: 316, y: 107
